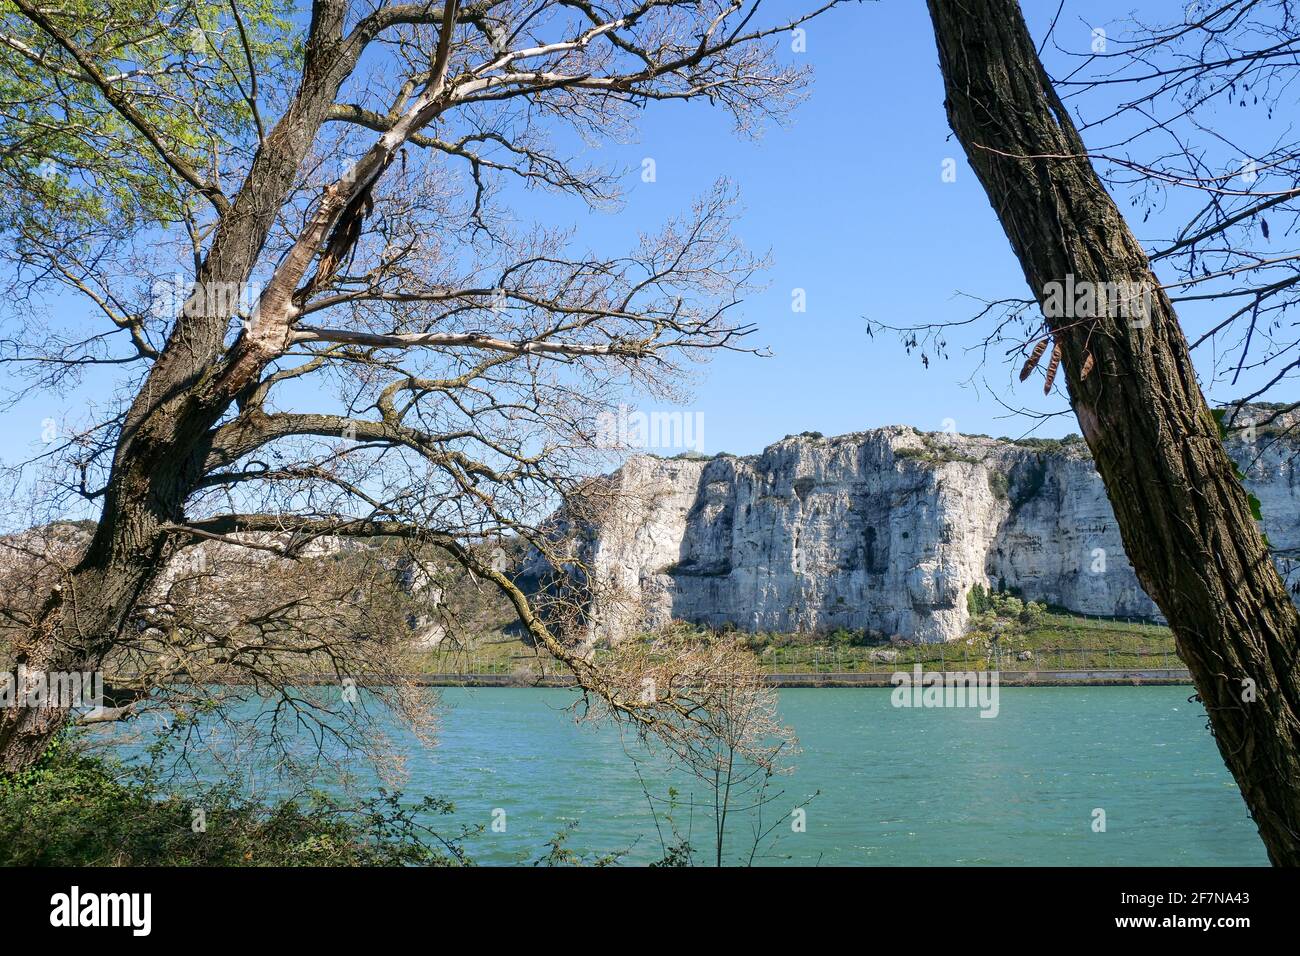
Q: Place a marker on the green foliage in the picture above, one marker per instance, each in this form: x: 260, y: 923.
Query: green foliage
x: 676, y: 846
x: 843, y: 637
x: 1000, y: 485
x: 73, y: 809
x: 692, y: 569
x: 679, y: 853
x: 76, y: 166
x: 936, y: 453
x: 1070, y: 441
x: 558, y: 852
x: 1019, y: 624
x: 918, y: 453
x: 1056, y: 638
x: 994, y: 610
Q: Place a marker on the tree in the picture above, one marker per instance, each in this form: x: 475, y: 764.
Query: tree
x: 331, y: 191
x: 1186, y: 522
x: 736, y: 750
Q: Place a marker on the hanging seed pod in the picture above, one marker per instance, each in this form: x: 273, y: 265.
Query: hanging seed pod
x: 1032, y: 362
x: 1087, y: 367
x: 1053, y: 363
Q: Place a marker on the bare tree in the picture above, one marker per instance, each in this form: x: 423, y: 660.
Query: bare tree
x: 729, y: 738
x: 1186, y: 522
x: 332, y: 191
x: 319, y: 633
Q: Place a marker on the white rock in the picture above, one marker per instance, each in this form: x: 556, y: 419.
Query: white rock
x: 886, y: 530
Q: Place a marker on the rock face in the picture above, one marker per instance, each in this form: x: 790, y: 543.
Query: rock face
x: 888, y: 530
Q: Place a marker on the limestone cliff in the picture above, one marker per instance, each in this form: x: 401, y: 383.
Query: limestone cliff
x: 889, y: 530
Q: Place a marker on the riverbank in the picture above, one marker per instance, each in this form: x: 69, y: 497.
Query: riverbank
x: 1012, y: 639
x: 1037, y: 678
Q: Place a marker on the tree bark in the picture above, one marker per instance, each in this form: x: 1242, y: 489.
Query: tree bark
x: 1184, y: 517
x: 167, y: 431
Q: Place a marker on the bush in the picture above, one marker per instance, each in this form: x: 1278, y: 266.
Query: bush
x: 72, y: 809
x: 1032, y: 613
x: 999, y: 485
x: 843, y: 637
x: 988, y: 606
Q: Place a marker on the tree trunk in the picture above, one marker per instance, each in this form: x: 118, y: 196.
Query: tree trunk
x: 156, y: 466
x: 1185, y: 519
x: 167, y: 430
x: 91, y: 608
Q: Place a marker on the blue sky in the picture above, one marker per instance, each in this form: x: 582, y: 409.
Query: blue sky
x: 849, y: 200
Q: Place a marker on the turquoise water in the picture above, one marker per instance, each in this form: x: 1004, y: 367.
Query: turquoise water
x: 893, y: 786
x: 897, y: 786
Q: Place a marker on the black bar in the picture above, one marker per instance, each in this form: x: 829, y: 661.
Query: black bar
x: 331, y: 906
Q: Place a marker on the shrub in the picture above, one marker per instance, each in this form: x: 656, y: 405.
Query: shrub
x: 72, y: 809
x: 999, y: 485
x: 843, y: 637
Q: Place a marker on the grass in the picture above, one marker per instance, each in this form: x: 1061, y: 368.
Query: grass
x: 1055, y: 640
x: 494, y: 653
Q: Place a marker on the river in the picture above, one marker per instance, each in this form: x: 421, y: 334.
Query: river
x: 896, y: 786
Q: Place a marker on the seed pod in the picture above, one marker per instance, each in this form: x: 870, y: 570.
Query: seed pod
x: 1052, y: 365
x: 1032, y: 362
x: 1087, y: 367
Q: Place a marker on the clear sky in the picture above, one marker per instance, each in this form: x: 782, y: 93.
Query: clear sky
x: 849, y: 199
